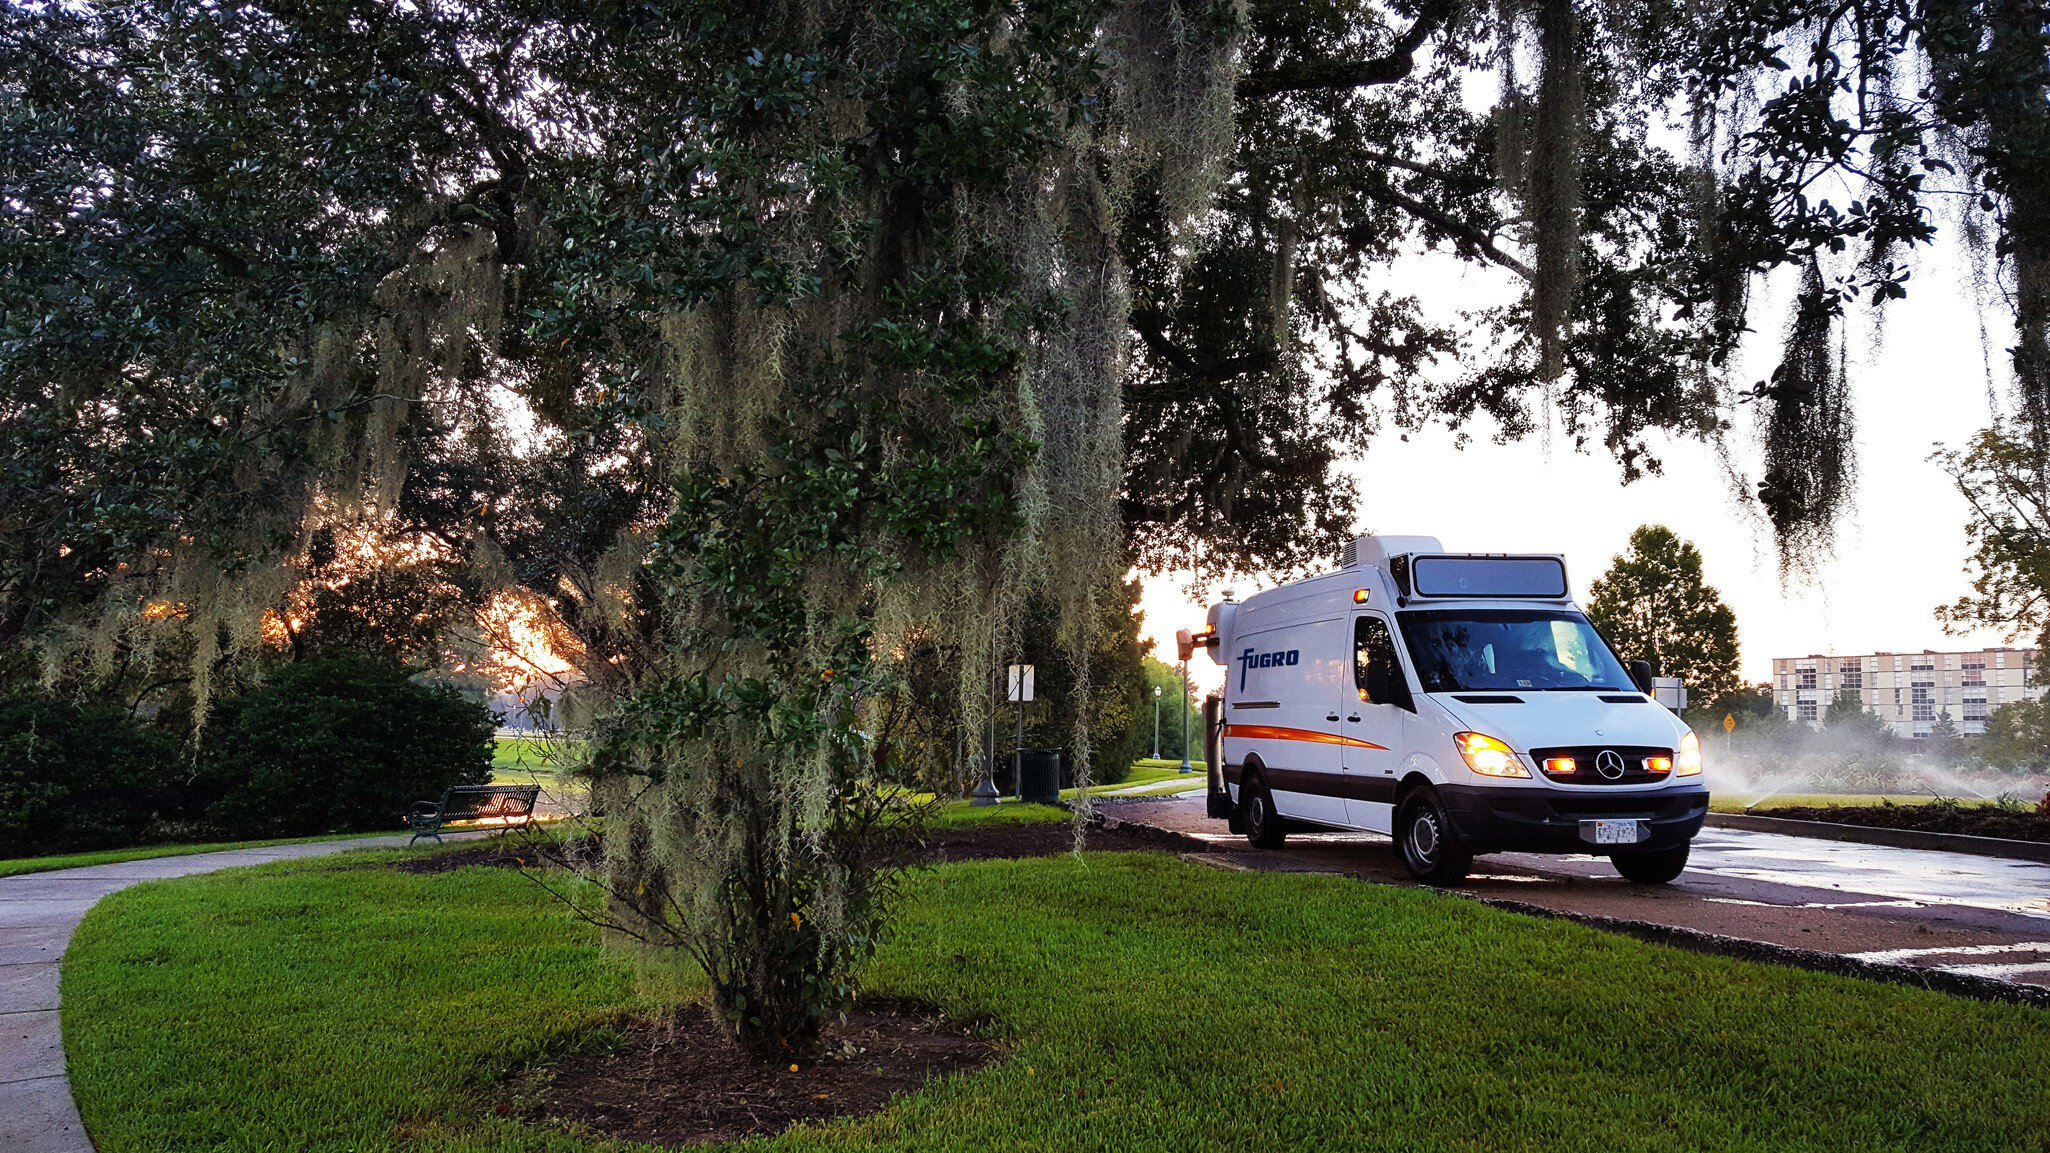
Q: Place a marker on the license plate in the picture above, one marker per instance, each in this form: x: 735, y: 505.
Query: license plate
x: 1612, y: 832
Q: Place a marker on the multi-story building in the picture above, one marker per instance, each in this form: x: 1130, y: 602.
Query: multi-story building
x: 1908, y: 690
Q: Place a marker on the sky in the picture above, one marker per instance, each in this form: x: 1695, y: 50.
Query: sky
x: 1900, y: 552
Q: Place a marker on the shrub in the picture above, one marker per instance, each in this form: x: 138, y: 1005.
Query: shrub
x: 337, y: 744
x: 81, y: 776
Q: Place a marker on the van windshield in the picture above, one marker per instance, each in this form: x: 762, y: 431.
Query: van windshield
x: 1518, y: 649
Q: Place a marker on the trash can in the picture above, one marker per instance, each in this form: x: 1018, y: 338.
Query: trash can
x: 1039, y: 776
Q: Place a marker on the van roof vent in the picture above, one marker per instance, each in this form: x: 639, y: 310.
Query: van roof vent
x: 1375, y: 550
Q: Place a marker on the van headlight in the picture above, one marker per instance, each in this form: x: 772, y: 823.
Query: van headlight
x: 1688, y: 763
x: 1487, y: 756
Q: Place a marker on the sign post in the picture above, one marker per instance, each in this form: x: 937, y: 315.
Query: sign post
x: 1021, y: 693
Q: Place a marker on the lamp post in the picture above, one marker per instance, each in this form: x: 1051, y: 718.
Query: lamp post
x: 1156, y: 722
x: 985, y: 793
x: 1186, y: 767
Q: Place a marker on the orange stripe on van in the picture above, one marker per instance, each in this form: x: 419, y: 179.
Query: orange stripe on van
x: 1281, y: 733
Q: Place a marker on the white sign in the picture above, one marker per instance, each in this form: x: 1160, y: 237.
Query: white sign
x: 1669, y: 692
x: 1021, y: 683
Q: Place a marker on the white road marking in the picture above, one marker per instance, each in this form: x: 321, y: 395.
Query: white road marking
x: 1891, y: 956
x: 2003, y: 972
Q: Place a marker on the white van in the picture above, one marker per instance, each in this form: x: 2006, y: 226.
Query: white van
x: 1460, y: 703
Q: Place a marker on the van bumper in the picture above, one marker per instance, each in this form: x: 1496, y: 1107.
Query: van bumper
x: 1539, y: 820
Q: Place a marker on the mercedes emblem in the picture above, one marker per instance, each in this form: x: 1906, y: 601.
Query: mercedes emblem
x: 1609, y: 764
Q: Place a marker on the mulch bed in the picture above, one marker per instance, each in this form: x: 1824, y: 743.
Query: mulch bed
x: 682, y: 1082
x: 996, y: 843
x: 963, y: 844
x: 1971, y: 822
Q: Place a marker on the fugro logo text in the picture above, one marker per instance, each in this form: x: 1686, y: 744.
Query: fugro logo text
x: 1250, y: 660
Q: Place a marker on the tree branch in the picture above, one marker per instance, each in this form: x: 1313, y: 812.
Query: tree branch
x: 1391, y: 67
x: 1459, y: 230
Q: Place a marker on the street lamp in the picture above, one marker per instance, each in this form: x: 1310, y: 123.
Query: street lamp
x: 1156, y: 722
x: 1186, y: 767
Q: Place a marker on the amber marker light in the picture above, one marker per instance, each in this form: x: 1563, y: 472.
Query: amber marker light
x: 1487, y: 756
x: 1658, y: 764
x: 1690, y: 756
x: 1560, y: 766
x: 1359, y: 596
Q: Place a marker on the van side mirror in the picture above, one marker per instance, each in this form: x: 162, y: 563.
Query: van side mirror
x: 1385, y: 686
x: 1640, y: 675
x: 1377, y: 685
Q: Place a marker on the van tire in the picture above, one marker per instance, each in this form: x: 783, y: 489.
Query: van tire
x: 1654, y: 868
x: 1264, y: 828
x: 1426, y: 841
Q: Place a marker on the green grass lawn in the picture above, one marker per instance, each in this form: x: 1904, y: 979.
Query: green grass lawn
x: 1147, y: 1003
x: 1167, y: 775
x: 955, y: 814
x: 20, y: 865
x: 533, y: 754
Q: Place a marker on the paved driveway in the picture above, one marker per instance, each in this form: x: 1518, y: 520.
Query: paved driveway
x: 1979, y: 915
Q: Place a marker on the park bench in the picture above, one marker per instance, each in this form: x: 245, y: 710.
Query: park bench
x: 512, y: 803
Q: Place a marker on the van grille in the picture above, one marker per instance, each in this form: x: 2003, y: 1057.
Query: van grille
x: 1587, y: 760
x: 1649, y: 806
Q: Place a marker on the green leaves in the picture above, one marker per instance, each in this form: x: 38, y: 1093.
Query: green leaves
x: 1653, y: 604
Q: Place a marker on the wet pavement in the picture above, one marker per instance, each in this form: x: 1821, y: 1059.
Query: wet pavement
x: 1953, y: 911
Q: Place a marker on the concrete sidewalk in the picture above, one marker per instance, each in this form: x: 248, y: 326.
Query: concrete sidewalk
x: 38, y: 914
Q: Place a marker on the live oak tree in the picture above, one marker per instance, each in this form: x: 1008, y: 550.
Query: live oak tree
x: 1635, y: 171
x: 1652, y: 604
x: 762, y: 352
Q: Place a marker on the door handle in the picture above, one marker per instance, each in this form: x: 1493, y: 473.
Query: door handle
x: 1355, y: 718
x: 1330, y: 716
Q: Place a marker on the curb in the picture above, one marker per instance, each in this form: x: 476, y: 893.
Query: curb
x: 1892, y: 838
x: 1695, y: 941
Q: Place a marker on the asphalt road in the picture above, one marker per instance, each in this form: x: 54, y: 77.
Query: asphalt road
x: 1954, y: 911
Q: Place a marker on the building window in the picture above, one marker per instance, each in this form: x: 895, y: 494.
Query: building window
x: 1805, y: 678
x: 1975, y: 672
x: 1807, y: 710
x: 1975, y: 708
x: 1853, y: 676
x: 1923, y: 702
x: 1922, y: 665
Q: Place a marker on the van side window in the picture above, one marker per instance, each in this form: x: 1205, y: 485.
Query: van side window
x: 1375, y: 670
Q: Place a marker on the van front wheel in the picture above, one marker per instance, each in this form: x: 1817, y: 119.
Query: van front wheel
x: 1264, y: 827
x: 1653, y: 868
x: 1424, y: 836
